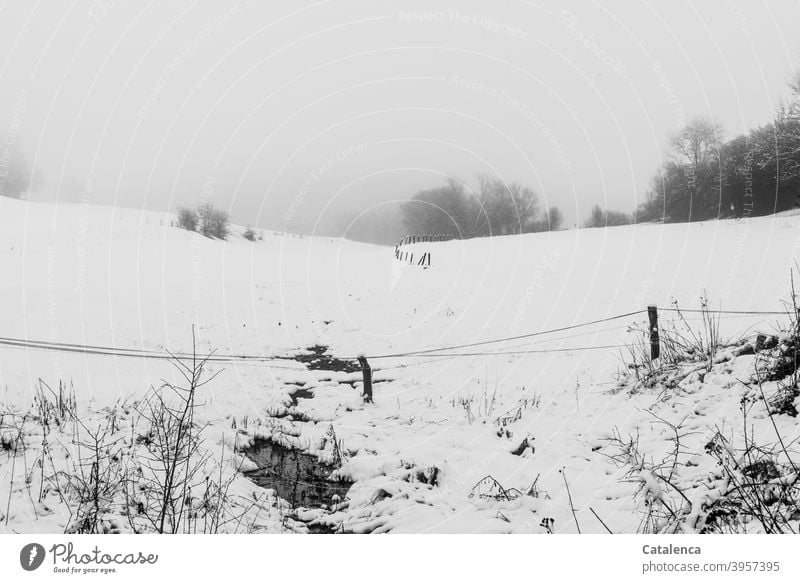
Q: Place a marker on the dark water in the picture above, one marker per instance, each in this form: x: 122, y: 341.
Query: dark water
x: 297, y: 477
x: 316, y: 358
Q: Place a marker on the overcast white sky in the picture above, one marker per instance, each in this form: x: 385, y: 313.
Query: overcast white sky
x: 288, y: 112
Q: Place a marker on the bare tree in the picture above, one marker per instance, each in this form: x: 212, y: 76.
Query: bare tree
x: 606, y: 218
x: 187, y: 218
x: 698, y: 141
x: 784, y: 149
x: 212, y: 222
x: 555, y: 218
x: 509, y: 208
x: 697, y: 150
x: 448, y: 209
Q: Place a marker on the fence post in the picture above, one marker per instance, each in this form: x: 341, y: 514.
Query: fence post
x: 366, y: 372
x: 655, y: 350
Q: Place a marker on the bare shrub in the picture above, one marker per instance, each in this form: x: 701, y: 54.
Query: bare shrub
x: 662, y: 498
x: 780, y: 354
x: 751, y: 483
x: 187, y: 218
x: 12, y: 443
x: 760, y: 480
x: 212, y: 222
x: 685, y: 349
x: 170, y: 488
x: 96, y: 480
x: 698, y: 343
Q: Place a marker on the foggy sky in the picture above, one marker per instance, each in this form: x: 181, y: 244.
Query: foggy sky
x: 300, y: 115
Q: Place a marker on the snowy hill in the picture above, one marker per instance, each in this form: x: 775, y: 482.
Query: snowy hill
x: 122, y: 278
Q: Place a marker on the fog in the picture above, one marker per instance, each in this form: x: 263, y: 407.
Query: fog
x: 322, y: 116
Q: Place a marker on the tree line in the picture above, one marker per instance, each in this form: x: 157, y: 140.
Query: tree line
x: 707, y: 177
x: 496, y: 208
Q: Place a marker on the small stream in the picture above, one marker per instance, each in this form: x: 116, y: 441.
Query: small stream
x: 318, y: 359
x: 298, y: 477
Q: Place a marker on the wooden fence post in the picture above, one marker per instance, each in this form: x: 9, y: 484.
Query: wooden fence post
x: 366, y: 373
x: 655, y: 350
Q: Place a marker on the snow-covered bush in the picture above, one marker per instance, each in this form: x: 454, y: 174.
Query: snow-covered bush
x: 744, y: 481
x: 686, y: 349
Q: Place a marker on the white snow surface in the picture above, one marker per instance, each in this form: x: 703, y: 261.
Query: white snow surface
x: 126, y: 278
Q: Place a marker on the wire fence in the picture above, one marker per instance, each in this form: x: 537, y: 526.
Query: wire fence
x: 142, y: 353
x: 443, y: 352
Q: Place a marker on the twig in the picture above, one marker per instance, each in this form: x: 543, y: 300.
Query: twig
x: 569, y: 495
x: 601, y: 520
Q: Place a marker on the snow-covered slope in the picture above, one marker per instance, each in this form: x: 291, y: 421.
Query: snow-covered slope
x: 125, y: 278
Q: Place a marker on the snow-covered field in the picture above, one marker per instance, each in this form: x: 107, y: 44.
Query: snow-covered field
x: 126, y: 278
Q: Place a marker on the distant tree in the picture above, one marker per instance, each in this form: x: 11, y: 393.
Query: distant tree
x: 555, y: 218
x: 507, y: 208
x: 690, y: 185
x: 596, y: 218
x: 204, y: 220
x: 697, y: 151
x: 212, y: 222
x: 617, y: 218
x: 249, y: 234
x: 552, y: 221
x: 447, y: 210
x: 698, y: 142
x: 220, y: 224
x: 16, y: 177
x: 782, y: 151
x: 606, y: 218
x: 668, y: 198
x: 187, y: 218
x: 500, y: 208
x: 750, y: 174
